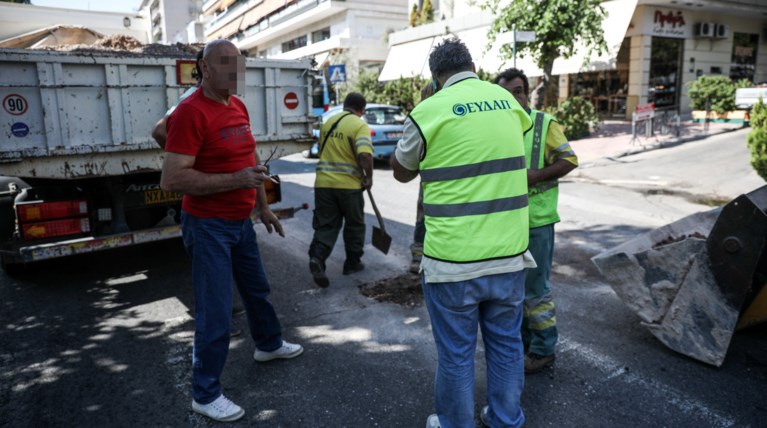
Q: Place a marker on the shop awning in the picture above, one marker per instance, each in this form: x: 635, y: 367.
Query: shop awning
x: 614, y: 25
x: 408, y: 60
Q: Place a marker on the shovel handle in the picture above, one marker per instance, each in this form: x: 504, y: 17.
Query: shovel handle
x: 378, y: 213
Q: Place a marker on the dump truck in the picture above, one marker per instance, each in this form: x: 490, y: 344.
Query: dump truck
x: 696, y: 281
x: 79, y: 169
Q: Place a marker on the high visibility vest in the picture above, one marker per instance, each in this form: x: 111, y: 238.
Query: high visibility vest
x: 473, y: 173
x: 543, y: 195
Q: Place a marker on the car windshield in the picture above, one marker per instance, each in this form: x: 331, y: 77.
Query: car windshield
x: 384, y: 116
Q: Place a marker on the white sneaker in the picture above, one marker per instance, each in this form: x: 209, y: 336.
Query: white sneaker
x: 221, y: 409
x: 287, y: 350
x: 433, y: 422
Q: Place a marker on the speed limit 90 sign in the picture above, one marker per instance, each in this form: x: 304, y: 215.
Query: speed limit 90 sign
x: 15, y: 104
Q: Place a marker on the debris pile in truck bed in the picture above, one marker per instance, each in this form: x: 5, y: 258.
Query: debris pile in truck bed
x: 125, y: 45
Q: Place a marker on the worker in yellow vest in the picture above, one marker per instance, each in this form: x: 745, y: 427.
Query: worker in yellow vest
x: 344, y: 171
x: 465, y: 142
x: 549, y: 157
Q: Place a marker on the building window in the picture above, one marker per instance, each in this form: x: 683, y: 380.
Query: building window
x: 320, y: 35
x: 744, y: 47
x: 665, y: 60
x: 296, y: 43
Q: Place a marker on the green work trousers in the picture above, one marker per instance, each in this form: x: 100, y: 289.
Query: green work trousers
x: 333, y: 209
x: 539, y: 321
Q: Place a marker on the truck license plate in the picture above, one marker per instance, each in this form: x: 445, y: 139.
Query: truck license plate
x: 158, y: 196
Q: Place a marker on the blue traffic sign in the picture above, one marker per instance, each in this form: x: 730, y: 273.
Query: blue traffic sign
x: 337, y: 73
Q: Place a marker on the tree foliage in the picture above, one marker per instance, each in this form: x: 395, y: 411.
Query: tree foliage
x: 403, y: 92
x: 560, y: 26
x: 413, y: 19
x: 757, y: 139
x: 576, y: 116
x: 427, y: 13
x: 716, y: 91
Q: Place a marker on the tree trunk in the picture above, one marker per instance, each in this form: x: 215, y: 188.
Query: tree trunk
x: 539, y: 94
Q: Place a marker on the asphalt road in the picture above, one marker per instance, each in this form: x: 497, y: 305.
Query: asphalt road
x: 105, y: 339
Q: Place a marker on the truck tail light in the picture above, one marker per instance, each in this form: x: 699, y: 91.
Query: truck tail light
x: 35, y: 211
x: 38, y: 219
x: 372, y: 133
x: 53, y: 228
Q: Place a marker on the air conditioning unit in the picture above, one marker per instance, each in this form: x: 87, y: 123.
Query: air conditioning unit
x: 704, y: 29
x: 721, y: 31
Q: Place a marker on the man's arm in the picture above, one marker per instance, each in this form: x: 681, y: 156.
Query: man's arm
x: 407, y: 154
x: 179, y: 175
x: 401, y: 174
x: 554, y: 171
x: 365, y: 160
x: 159, y: 132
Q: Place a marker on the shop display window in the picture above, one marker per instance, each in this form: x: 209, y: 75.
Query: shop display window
x: 665, y: 67
x: 606, y: 89
x: 744, y: 50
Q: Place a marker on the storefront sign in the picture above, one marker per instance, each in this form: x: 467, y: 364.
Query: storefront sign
x: 669, y: 23
x: 644, y: 112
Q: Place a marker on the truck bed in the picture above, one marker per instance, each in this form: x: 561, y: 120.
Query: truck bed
x: 89, y: 113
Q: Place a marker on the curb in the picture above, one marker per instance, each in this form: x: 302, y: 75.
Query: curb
x: 671, y: 143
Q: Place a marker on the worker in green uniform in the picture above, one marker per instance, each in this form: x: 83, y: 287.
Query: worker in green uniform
x: 344, y: 172
x: 549, y: 157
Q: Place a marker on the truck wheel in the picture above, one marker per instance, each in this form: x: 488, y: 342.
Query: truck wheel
x: 12, y: 266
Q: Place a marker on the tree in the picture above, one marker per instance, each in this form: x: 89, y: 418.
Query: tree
x: 715, y: 93
x: 413, y: 20
x: 558, y: 24
x: 17, y: 1
x: 427, y: 13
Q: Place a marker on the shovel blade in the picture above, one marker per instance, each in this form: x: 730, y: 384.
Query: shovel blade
x: 381, y: 240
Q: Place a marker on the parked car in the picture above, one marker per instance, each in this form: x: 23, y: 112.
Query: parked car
x: 385, y: 121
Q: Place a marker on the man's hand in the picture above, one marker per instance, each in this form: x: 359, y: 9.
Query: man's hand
x: 252, y: 177
x: 367, y: 183
x: 271, y: 222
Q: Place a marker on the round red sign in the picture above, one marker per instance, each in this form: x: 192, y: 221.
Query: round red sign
x: 291, y: 100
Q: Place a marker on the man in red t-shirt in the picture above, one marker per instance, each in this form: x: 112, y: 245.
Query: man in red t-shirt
x: 210, y: 158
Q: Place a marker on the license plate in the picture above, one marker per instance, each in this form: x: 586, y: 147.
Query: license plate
x: 394, y: 135
x: 158, y: 196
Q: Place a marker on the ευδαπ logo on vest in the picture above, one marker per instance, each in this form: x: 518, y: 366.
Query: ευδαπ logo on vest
x: 474, y: 107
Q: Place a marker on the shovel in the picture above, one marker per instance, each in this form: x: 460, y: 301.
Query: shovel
x: 381, y: 240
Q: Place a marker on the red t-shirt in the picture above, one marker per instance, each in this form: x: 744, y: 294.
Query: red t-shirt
x: 219, y: 137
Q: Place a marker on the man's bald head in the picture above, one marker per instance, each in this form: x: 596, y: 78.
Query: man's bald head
x: 223, y: 68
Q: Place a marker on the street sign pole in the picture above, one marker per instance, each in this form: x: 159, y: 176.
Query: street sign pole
x: 514, y: 43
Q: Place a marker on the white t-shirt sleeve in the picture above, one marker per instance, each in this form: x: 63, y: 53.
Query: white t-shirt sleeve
x: 410, y: 147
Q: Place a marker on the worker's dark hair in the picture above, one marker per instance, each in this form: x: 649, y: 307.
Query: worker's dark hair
x: 355, y: 101
x: 450, y: 57
x: 512, y: 73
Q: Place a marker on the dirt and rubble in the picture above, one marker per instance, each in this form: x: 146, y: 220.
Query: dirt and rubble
x: 403, y: 290
x: 125, y: 45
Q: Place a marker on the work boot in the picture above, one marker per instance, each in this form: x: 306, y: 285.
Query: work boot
x: 535, y: 363
x: 318, y: 273
x: 353, y: 267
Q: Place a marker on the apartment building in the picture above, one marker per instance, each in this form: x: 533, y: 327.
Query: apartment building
x: 655, y: 47
x: 174, y: 21
x: 349, y: 32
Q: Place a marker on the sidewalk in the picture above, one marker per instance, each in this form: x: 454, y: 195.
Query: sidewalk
x: 613, y: 139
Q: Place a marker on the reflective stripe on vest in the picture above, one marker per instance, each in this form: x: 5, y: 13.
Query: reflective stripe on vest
x: 543, y: 196
x: 473, y: 173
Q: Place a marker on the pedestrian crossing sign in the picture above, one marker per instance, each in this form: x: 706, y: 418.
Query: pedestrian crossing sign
x: 337, y: 73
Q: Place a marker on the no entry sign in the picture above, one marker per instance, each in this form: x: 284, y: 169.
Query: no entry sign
x: 291, y: 100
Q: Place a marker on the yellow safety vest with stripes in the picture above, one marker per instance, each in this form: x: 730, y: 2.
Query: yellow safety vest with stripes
x: 473, y: 173
x: 337, y: 167
x: 543, y: 195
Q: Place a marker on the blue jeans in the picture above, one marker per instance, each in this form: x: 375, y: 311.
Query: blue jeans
x: 225, y: 251
x: 494, y: 303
